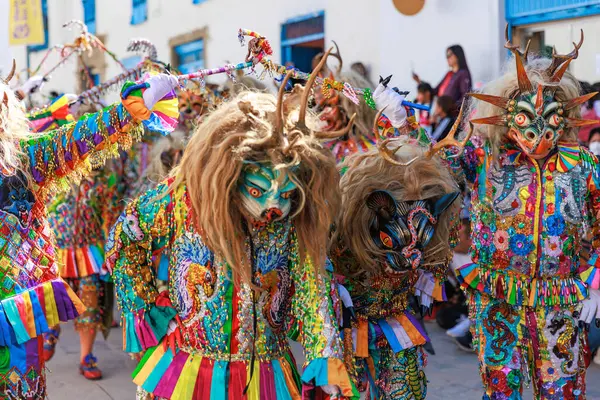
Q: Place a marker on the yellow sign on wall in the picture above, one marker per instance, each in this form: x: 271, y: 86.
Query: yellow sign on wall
x: 26, y: 23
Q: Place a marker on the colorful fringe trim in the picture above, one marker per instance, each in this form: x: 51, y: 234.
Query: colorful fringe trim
x: 29, y: 314
x: 429, y: 289
x: 402, y: 332
x: 81, y: 262
x: 521, y: 289
x: 591, y: 276
x: 329, y: 371
x: 56, y: 115
x: 192, y: 377
x: 145, y: 328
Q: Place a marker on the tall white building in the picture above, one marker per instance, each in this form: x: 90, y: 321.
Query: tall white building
x: 193, y: 34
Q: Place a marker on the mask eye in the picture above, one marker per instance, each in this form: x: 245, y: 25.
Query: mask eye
x: 254, y: 192
x: 287, y: 195
x: 521, y: 119
x: 554, y: 120
x: 386, y: 240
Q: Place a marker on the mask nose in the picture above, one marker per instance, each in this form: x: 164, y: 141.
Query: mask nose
x: 540, y: 123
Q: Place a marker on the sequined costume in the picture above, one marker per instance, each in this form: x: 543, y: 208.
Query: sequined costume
x: 226, y: 336
x: 190, y: 307
x: 33, y: 296
x: 535, y: 197
x: 391, y: 244
x: 77, y: 219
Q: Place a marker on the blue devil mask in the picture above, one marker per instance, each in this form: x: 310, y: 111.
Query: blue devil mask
x: 404, y: 229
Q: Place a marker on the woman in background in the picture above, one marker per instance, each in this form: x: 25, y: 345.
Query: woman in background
x: 457, y: 82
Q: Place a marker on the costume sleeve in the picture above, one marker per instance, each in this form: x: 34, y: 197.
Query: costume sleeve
x: 590, y: 272
x: 60, y: 156
x: 312, y: 307
x: 140, y: 233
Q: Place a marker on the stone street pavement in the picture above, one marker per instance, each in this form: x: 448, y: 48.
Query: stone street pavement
x: 452, y: 373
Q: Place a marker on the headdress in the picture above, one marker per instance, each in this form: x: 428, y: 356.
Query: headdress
x: 383, y: 141
x: 554, y: 74
x: 6, y: 81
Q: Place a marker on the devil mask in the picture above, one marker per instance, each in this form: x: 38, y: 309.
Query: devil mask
x: 403, y: 229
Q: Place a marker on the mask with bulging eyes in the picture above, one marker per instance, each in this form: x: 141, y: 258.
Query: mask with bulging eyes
x: 267, y: 194
x: 403, y: 229
x: 536, y: 123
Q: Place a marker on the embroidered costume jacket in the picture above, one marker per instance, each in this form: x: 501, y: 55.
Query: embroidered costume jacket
x: 231, y: 335
x: 32, y: 295
x: 529, y: 221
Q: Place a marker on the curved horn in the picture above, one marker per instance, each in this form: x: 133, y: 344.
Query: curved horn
x: 450, y: 139
x: 309, y: 84
x: 279, y: 110
x: 339, y: 57
x: 560, y: 63
x: 523, y: 54
x: 336, y: 134
x: 388, y: 154
x: 11, y: 74
x: 525, y: 85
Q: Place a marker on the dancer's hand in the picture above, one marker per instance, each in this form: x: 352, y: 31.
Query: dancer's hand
x: 160, y: 86
x: 333, y: 391
x: 173, y: 338
x: 33, y: 84
x: 590, y: 310
x: 389, y: 99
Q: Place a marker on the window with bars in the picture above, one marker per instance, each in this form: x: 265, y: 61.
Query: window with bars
x: 139, y: 11
x: 44, y: 45
x: 190, y: 56
x: 89, y: 15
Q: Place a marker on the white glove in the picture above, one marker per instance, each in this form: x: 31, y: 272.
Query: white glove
x: 160, y: 85
x: 387, y: 98
x: 71, y: 98
x: 332, y: 390
x: 33, y: 84
x: 172, y: 326
x: 590, y: 307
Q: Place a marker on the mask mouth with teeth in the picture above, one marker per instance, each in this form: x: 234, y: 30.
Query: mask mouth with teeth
x: 402, y: 230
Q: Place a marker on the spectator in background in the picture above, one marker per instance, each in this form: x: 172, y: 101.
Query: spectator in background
x: 457, y: 82
x: 425, y: 97
x: 444, y: 115
x: 594, y: 141
x: 454, y: 317
x: 588, y: 111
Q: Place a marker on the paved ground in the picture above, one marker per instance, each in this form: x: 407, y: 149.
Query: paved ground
x: 452, y: 373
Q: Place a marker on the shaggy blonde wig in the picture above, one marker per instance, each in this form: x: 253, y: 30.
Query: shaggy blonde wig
x: 424, y: 178
x: 507, y: 86
x: 14, y: 127
x: 246, y: 129
x: 363, y: 124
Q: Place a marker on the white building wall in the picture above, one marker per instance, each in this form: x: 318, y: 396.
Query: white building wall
x: 371, y: 31
x: 562, y: 34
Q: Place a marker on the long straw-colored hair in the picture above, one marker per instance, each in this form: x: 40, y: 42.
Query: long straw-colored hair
x: 425, y: 178
x: 507, y: 85
x: 244, y: 130
x: 363, y: 124
x: 14, y: 127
